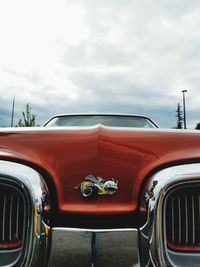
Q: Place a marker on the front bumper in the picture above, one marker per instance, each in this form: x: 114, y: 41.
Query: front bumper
x: 89, y: 247
x: 44, y: 246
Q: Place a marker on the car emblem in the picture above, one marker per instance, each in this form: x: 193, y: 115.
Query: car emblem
x: 93, y: 186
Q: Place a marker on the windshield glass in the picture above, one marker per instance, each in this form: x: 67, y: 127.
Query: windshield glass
x: 107, y: 120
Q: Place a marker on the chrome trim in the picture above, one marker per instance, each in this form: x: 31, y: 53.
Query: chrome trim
x: 186, y: 220
x: 3, y: 217
x: 179, y: 220
x: 94, y: 247
x: 33, y: 185
x: 173, y: 220
x: 154, y: 247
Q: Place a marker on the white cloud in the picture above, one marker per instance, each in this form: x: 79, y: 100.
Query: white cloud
x: 118, y: 56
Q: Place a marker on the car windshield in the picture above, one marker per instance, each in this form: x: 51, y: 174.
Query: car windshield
x: 107, y: 120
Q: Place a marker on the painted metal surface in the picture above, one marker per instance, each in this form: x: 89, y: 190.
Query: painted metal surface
x: 69, y: 154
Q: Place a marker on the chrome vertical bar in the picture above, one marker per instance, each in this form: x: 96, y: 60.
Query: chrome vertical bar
x: 172, y: 203
x: 10, y: 218
x: 193, y: 221
x: 199, y: 217
x: 186, y: 220
x: 179, y: 220
x: 4, y: 217
x: 17, y: 219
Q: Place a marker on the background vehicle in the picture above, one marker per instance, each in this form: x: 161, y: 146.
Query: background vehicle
x: 113, y: 120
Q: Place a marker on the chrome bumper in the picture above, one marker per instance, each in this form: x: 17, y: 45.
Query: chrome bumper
x: 88, y: 247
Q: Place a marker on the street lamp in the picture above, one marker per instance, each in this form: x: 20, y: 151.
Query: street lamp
x: 184, y: 112
x: 13, y: 111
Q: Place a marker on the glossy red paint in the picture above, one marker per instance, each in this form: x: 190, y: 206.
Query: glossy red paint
x: 127, y: 155
x: 11, y: 245
x: 183, y: 248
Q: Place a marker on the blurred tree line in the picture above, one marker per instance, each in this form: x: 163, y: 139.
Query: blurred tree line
x: 198, y: 126
x: 28, y: 119
x: 180, y: 119
x: 179, y: 116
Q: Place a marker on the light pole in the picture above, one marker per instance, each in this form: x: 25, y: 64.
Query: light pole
x: 13, y: 111
x: 184, y: 111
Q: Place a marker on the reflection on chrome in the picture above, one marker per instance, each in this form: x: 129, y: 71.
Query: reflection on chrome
x: 24, y: 235
x: 96, y: 247
x: 160, y: 190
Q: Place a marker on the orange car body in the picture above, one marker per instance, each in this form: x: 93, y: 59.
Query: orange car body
x: 68, y: 155
x: 99, y: 196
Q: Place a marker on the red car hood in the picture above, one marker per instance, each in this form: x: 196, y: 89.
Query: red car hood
x: 127, y: 155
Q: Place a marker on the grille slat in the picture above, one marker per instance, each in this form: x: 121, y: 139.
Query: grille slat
x: 12, y: 208
x: 11, y: 216
x: 17, y: 219
x: 193, y: 222
x: 199, y: 216
x: 179, y: 220
x: 186, y: 220
x: 4, y: 217
x: 183, y: 219
x: 172, y: 203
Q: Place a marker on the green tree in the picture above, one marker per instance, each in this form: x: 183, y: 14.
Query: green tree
x: 28, y: 119
x: 179, y: 124
x: 197, y: 126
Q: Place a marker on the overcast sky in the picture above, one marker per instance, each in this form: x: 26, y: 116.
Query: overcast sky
x: 129, y: 56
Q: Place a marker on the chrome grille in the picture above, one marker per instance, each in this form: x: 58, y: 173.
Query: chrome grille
x: 12, y: 219
x: 183, y: 219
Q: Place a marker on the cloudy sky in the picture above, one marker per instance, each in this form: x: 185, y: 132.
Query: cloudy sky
x: 130, y: 56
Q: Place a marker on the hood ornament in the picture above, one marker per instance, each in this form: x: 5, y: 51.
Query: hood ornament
x: 93, y: 186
